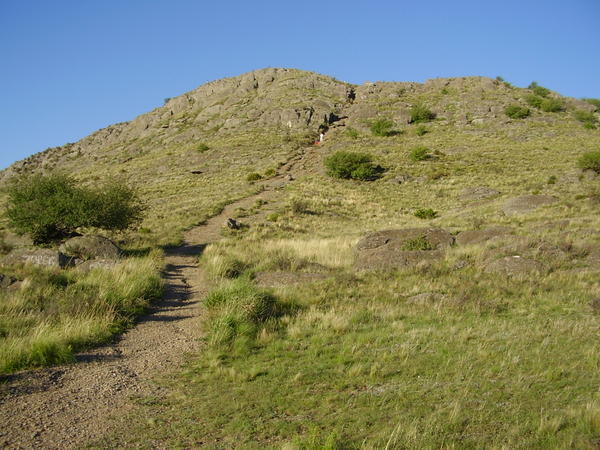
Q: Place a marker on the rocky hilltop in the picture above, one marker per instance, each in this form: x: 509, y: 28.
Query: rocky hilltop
x: 205, y: 142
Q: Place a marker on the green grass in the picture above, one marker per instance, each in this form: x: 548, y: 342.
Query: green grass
x: 359, y: 364
x: 54, y: 313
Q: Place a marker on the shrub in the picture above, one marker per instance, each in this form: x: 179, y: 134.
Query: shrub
x: 425, y: 213
x: 350, y: 165
x: 253, y: 176
x: 53, y: 207
x: 420, y: 113
x: 420, y: 243
x: 594, y: 101
x: 539, y: 90
x: 421, y: 130
x: 552, y: 105
x: 590, y: 160
x: 516, y: 112
x: 237, y: 309
x: 419, y: 154
x: 587, y: 118
x: 534, y: 100
x: 382, y: 127
x: 299, y: 206
x: 270, y: 172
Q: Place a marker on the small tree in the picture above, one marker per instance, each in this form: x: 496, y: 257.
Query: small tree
x: 52, y: 207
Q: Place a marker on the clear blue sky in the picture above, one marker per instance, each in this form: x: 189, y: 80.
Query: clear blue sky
x: 70, y: 67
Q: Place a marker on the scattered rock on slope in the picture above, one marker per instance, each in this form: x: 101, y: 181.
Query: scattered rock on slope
x: 527, y: 203
x: 90, y: 247
x: 478, y: 193
x: 514, y: 266
x: 39, y: 257
x: 479, y: 236
x: 401, y: 248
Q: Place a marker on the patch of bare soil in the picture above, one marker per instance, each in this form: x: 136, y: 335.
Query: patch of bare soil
x: 71, y: 405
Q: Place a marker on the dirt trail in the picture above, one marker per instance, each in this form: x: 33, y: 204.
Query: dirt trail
x: 69, y: 406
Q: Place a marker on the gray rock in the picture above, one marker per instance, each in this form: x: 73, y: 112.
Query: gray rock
x: 478, y: 193
x: 39, y: 257
x: 233, y: 224
x: 391, y: 249
x: 399, y: 179
x: 479, y: 236
x: 6, y: 281
x: 514, y: 266
x: 91, y: 247
x: 527, y: 203
x: 92, y: 264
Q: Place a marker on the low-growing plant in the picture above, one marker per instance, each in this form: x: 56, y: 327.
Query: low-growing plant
x: 202, y: 147
x: 237, y: 310
x: 587, y: 118
x: 552, y: 105
x: 421, y: 130
x: 419, y: 153
x: 425, y: 213
x: 420, y: 243
x: 534, y: 100
x: 271, y: 172
x: 420, y: 113
x: 273, y: 217
x: 254, y: 176
x: 351, y: 165
x: 382, y: 127
x: 299, y: 206
x: 594, y: 101
x: 539, y: 90
x: 552, y: 179
x: 352, y: 133
x: 516, y: 112
x: 590, y: 161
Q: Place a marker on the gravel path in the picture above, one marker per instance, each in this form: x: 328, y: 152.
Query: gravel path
x: 71, y: 405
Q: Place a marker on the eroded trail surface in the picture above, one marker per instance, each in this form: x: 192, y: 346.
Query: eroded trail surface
x: 71, y: 405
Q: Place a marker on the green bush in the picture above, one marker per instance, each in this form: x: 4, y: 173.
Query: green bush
x: 236, y: 311
x: 552, y: 105
x: 516, y: 112
x: 425, y: 213
x: 420, y: 243
x: 421, y: 130
x: 534, y: 100
x: 382, y: 127
x: 52, y: 207
x: 350, y: 165
x: 419, y: 154
x: 594, y: 101
x: 420, y: 113
x: 539, y: 90
x: 588, y: 118
x: 590, y: 160
x: 253, y: 176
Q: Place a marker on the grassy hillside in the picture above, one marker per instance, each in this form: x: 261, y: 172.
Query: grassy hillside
x: 303, y: 350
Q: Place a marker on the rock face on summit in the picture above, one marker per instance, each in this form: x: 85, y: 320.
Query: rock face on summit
x: 401, y: 248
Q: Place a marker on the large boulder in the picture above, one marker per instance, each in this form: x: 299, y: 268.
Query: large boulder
x: 401, y: 248
x: 479, y: 236
x: 6, y: 281
x: 91, y: 247
x: 526, y: 203
x: 514, y: 266
x: 105, y: 264
x: 40, y: 257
